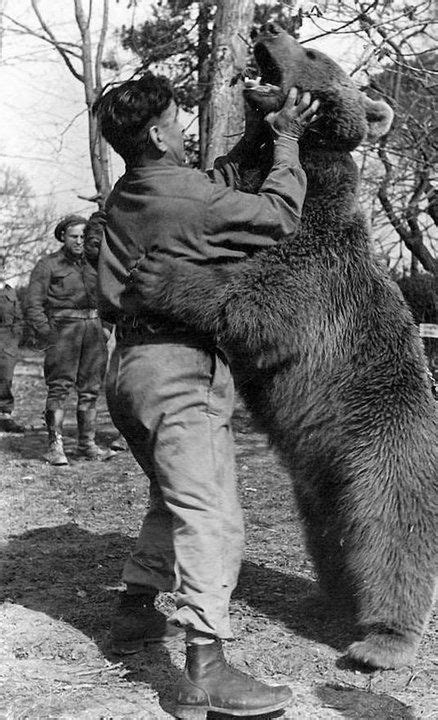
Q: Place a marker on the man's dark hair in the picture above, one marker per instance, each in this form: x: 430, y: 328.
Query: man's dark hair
x: 124, y: 112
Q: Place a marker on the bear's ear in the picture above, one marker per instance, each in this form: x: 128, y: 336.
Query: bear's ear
x: 379, y: 117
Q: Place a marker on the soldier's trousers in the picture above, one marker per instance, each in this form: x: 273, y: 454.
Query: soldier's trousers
x: 173, y: 404
x: 76, y: 358
x: 8, y: 359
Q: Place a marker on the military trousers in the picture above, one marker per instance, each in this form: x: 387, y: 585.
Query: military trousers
x: 75, y: 358
x: 173, y: 404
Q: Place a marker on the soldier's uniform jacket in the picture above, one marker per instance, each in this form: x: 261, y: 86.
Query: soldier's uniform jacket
x: 194, y: 217
x: 59, y: 282
x: 11, y: 321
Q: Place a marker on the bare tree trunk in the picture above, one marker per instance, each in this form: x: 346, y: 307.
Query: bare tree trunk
x: 92, y: 85
x: 224, y: 121
x: 203, y: 77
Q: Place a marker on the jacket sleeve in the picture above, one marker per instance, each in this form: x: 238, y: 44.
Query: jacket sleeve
x: 37, y: 296
x: 252, y: 222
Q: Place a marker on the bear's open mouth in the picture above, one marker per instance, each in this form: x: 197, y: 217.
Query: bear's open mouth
x: 270, y: 72
x: 264, y: 91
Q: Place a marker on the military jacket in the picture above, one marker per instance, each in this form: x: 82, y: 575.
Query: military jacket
x: 59, y: 281
x: 182, y: 212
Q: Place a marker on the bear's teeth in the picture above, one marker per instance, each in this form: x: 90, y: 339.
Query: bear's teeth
x: 266, y: 89
x: 252, y: 82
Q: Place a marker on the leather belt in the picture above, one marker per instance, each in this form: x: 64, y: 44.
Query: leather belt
x: 75, y: 314
x: 134, y: 330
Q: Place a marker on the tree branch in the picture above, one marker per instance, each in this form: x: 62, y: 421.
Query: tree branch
x: 25, y: 30
x: 432, y: 199
x: 55, y: 42
x: 100, y: 47
x: 411, y: 234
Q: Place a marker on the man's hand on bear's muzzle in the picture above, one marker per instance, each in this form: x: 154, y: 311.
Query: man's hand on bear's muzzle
x: 295, y: 115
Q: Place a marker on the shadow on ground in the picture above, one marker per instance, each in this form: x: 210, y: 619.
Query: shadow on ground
x: 45, y: 569
x: 63, y: 571
x: 361, y: 704
x: 296, y: 602
x: 33, y: 443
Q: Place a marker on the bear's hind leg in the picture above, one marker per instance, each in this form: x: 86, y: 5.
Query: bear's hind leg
x: 373, y: 546
x: 323, y: 529
x: 325, y: 548
x: 395, y: 570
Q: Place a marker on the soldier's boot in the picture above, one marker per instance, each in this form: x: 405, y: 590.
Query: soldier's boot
x: 119, y: 444
x: 136, y: 623
x: 86, y: 436
x: 55, y: 454
x: 209, y: 684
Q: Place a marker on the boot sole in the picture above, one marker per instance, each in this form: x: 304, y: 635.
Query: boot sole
x: 57, y: 464
x: 193, y: 712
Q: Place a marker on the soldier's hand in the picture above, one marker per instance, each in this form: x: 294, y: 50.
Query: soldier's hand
x: 147, y: 276
x: 295, y: 116
x: 46, y: 336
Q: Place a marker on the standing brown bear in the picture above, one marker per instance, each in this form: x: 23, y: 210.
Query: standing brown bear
x: 329, y: 362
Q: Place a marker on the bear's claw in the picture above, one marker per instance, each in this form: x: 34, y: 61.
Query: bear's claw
x: 384, y: 651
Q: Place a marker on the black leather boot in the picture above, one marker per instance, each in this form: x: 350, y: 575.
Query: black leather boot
x: 55, y: 454
x: 210, y: 684
x: 119, y: 444
x: 87, y: 447
x: 136, y: 623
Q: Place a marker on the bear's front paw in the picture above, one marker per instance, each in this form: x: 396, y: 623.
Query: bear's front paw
x: 384, y: 650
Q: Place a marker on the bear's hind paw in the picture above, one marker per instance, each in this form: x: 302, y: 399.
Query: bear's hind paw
x: 383, y: 650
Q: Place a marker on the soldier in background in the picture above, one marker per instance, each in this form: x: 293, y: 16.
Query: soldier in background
x: 11, y: 331
x: 61, y: 309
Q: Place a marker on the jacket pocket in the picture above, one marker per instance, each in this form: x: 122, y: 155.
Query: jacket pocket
x: 63, y: 283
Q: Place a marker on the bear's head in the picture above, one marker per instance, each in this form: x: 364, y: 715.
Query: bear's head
x: 346, y: 116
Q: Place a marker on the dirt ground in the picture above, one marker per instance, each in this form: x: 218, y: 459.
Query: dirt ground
x: 65, y: 533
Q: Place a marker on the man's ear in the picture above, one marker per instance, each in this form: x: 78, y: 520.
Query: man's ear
x: 157, y: 139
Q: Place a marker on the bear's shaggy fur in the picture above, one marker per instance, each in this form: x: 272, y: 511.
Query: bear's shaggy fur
x: 329, y: 361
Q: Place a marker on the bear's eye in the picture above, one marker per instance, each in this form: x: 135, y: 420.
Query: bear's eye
x: 310, y: 54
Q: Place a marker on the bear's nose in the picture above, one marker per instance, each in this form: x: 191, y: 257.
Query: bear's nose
x: 271, y: 28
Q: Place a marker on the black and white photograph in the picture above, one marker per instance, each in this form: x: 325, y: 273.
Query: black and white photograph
x: 218, y: 360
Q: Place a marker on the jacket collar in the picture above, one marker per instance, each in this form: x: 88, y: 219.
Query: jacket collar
x: 70, y: 259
